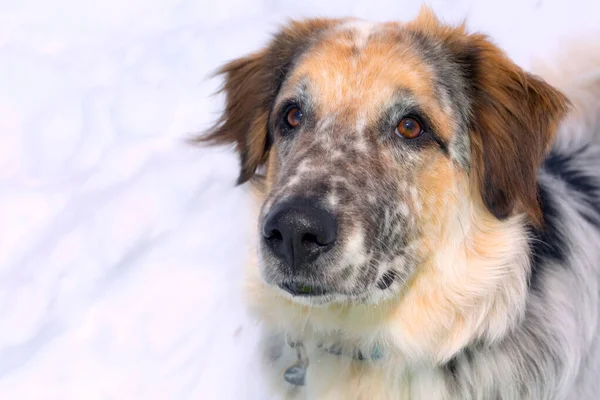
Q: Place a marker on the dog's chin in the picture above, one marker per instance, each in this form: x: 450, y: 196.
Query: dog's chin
x: 315, y: 300
x: 318, y: 296
x: 371, y: 297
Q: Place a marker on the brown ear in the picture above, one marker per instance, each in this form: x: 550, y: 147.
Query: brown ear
x: 244, y: 119
x: 514, y: 119
x: 251, y: 85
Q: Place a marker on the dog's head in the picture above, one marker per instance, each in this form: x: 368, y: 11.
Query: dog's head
x: 380, y: 142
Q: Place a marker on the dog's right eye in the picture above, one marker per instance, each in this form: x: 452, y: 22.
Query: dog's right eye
x: 293, y: 117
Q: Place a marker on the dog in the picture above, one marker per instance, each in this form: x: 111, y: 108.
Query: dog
x: 428, y: 214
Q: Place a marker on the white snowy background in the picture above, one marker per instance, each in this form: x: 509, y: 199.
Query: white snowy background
x: 121, y: 246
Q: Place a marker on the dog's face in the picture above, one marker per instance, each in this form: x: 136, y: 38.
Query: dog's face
x: 380, y: 141
x: 367, y: 151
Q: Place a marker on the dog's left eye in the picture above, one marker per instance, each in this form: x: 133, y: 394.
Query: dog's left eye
x: 409, y: 128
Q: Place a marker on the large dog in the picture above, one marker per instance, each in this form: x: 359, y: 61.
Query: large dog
x: 429, y: 223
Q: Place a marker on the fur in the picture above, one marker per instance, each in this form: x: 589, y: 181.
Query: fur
x: 468, y: 260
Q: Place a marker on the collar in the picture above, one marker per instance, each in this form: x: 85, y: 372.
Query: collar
x: 356, y: 353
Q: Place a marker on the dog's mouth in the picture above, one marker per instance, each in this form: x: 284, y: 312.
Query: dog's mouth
x: 304, y: 289
x: 309, y: 289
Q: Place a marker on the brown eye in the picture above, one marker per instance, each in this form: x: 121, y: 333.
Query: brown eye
x: 294, y: 117
x: 409, y: 128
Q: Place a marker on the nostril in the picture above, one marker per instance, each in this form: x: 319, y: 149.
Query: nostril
x: 274, y: 235
x: 274, y: 239
x: 311, y: 240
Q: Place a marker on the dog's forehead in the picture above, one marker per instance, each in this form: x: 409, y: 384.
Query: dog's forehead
x: 357, y: 68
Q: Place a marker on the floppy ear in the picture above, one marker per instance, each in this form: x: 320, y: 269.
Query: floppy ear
x: 514, y: 119
x: 251, y: 85
x: 247, y: 86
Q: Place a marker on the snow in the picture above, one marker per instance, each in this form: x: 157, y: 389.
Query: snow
x: 121, y: 246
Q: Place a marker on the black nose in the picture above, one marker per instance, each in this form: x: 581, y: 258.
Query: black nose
x: 298, y: 231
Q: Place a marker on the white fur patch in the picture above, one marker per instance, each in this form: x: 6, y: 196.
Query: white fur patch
x: 304, y: 167
x: 361, y: 145
x: 362, y: 29
x: 361, y: 122
x: 332, y: 200
x: 294, y: 180
x: 354, y: 252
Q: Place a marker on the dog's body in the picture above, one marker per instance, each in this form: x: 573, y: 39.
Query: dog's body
x: 442, y: 262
